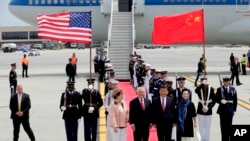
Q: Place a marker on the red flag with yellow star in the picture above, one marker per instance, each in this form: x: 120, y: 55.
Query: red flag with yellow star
x: 182, y: 28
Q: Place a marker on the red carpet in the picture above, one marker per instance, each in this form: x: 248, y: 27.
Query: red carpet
x: 130, y: 94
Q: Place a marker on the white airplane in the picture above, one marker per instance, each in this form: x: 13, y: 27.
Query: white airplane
x: 226, y: 21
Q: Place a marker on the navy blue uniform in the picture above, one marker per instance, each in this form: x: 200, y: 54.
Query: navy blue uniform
x: 73, y: 103
x: 13, y: 81
x: 226, y: 109
x: 91, y: 99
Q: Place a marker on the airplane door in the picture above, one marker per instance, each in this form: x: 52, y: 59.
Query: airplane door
x: 125, y: 5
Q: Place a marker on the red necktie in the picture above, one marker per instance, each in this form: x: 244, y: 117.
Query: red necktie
x: 142, y: 105
x: 163, y: 104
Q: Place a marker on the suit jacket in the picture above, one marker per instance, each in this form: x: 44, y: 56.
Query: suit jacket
x: 235, y: 67
x: 25, y: 105
x: 166, y: 117
x: 228, y: 108
x: 137, y: 115
x: 70, y: 70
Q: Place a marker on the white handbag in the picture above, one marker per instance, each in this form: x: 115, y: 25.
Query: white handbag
x: 197, y: 135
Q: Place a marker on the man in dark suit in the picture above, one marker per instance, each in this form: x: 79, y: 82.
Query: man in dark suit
x: 164, y: 115
x: 90, y: 110
x: 20, y: 106
x: 13, y: 79
x: 226, y: 97
x: 70, y: 71
x: 71, y: 105
x: 101, y: 67
x: 235, y: 70
x: 140, y: 116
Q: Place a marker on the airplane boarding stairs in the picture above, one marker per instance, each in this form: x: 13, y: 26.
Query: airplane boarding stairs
x: 121, y: 43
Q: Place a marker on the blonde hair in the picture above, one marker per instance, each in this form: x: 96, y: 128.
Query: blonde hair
x: 116, y: 92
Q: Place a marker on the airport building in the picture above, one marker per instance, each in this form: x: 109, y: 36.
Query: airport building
x: 19, y: 34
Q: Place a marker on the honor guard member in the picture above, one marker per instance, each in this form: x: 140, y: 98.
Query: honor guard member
x: 206, y: 102
x: 155, y: 80
x: 139, y: 72
x: 146, y: 81
x: 151, y: 81
x: 226, y: 97
x: 71, y: 105
x: 90, y: 111
x: 111, y: 75
x: 168, y: 84
x: 134, y: 75
x: 159, y: 83
x: 108, y: 99
x: 181, y: 86
x: 107, y: 78
x: 13, y: 79
x: 130, y: 68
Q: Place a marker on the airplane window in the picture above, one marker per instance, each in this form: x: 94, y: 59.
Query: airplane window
x: 36, y: 1
x: 185, y: 1
x: 30, y: 2
x: 224, y: 1
x: 87, y: 1
x: 42, y: 1
x: 68, y: 1
x: 61, y: 1
x: 204, y: 0
x: 191, y: 0
x: 211, y: 1
x: 55, y: 1
x: 246, y: 0
x: 49, y: 1
x: 217, y: 1
x: 93, y: 1
x: 172, y: 1
x: 165, y: 0
x: 81, y: 1
x: 179, y: 0
x: 74, y: 1
x: 198, y: 0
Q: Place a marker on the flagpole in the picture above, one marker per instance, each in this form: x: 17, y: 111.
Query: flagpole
x: 90, y: 47
x: 204, y: 46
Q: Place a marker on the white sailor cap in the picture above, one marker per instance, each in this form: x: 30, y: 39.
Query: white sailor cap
x: 108, y: 65
x: 148, y: 65
x: 113, y: 81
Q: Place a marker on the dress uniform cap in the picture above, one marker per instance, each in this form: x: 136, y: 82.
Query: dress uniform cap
x: 148, y: 65
x: 168, y: 80
x: 108, y: 65
x: 109, y: 69
x: 203, y: 78
x: 13, y: 64
x: 181, y: 78
x: 152, y: 69
x: 91, y: 81
x: 226, y: 78
x: 70, y: 82
x: 164, y: 72
x: 107, y: 60
x: 113, y: 81
x: 157, y: 71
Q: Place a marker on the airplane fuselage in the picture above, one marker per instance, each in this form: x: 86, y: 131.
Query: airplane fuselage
x: 223, y: 25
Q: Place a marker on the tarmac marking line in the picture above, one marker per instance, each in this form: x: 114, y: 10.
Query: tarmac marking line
x: 102, y: 119
x: 241, y: 102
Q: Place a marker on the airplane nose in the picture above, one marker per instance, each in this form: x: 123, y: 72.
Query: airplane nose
x: 14, y: 10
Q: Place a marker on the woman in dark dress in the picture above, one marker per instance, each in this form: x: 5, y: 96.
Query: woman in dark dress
x: 186, y: 117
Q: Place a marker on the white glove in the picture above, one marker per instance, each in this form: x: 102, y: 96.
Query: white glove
x: 63, y: 108
x: 91, y: 109
x: 79, y: 121
x: 223, y: 101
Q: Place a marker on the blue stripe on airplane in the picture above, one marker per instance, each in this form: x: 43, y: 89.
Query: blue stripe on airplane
x: 147, y: 2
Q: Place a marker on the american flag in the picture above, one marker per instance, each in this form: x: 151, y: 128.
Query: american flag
x: 65, y: 27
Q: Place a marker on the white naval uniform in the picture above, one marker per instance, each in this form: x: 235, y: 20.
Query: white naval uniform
x: 134, y: 76
x: 146, y: 85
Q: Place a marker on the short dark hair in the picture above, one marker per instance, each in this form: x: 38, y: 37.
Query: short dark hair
x: 163, y: 87
x: 185, y: 90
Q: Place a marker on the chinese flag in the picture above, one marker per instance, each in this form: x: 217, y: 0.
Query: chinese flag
x: 181, y: 28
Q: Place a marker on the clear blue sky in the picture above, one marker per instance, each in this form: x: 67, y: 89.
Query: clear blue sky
x: 7, y: 19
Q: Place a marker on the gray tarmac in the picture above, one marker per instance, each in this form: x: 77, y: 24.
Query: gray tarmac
x: 47, y: 81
